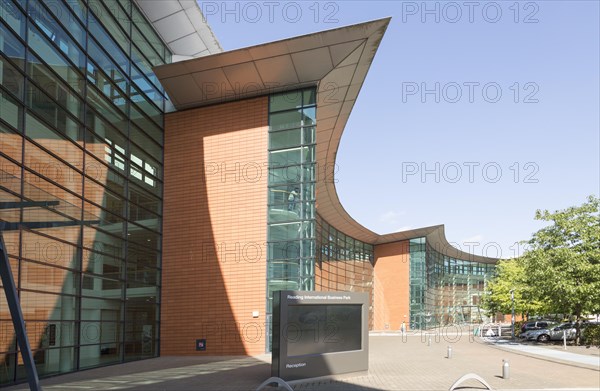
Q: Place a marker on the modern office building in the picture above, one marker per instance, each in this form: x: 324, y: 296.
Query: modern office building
x: 155, y: 191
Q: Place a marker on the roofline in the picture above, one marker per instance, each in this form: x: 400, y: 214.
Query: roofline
x: 338, y: 58
x: 198, y: 39
x: 435, y: 237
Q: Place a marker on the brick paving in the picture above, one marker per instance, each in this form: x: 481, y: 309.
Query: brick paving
x: 395, y: 363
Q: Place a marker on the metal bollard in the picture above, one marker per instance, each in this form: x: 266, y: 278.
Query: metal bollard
x: 429, y: 341
x: 505, y: 370
x: 449, y: 352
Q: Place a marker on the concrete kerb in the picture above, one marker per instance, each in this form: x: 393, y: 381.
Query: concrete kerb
x: 514, y: 349
x: 495, y: 342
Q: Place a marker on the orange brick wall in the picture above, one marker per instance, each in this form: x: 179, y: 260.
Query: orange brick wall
x: 215, y: 229
x: 391, y: 286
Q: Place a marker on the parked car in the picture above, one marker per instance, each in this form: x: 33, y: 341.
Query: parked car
x: 553, y: 334
x: 525, y: 334
x: 537, y: 325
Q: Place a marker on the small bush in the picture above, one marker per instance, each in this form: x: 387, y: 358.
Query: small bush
x: 591, y: 335
x: 518, y: 325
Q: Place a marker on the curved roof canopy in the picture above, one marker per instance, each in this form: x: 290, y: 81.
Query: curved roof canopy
x: 336, y: 62
x: 181, y: 26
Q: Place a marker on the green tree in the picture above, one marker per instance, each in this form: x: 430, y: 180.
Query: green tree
x: 563, y: 262
x: 510, y: 275
x: 560, y: 272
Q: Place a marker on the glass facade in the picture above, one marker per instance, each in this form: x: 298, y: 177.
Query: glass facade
x: 291, y: 193
x: 342, y: 263
x: 304, y: 252
x: 81, y: 146
x: 444, y: 290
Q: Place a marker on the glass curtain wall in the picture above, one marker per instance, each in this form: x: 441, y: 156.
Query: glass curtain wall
x: 291, y: 194
x: 81, y: 146
x: 342, y: 263
x: 444, y: 290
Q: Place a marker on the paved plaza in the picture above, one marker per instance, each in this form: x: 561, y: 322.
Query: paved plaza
x: 395, y: 363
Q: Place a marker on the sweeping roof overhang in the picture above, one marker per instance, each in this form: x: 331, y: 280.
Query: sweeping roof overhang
x: 335, y: 61
x: 181, y: 26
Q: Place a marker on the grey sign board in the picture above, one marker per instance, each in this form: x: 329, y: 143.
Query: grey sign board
x: 319, y: 334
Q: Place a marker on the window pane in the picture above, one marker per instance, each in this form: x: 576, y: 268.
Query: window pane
x: 112, y: 93
x: 54, y: 59
x: 38, y: 189
x: 103, y: 243
x: 48, y: 279
x: 285, y: 101
x: 54, y: 86
x: 52, y: 168
x: 145, y: 68
x: 102, y: 264
x: 13, y: 16
x: 37, y: 305
x: 44, y: 107
x: 78, y: 7
x: 144, y: 123
x: 138, y: 213
x: 285, y: 139
x: 105, y: 41
x: 149, y: 35
x: 143, y: 237
x: 146, y: 156
x: 90, y: 308
x: 11, y: 145
x: 107, y: 65
x: 11, y: 79
x: 309, y: 116
x: 147, y: 97
x: 107, y: 110
x: 63, y: 14
x: 10, y: 110
x: 309, y: 96
x: 286, y: 157
x: 54, y: 32
x: 99, y: 195
x: 140, y: 255
x: 121, y: 14
x: 285, y: 120
x: 285, y: 175
x: 106, y: 286
x: 50, y: 139
x: 106, y: 17
x: 309, y: 135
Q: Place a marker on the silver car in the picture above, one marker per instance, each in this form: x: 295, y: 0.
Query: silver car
x: 526, y: 334
x: 553, y: 334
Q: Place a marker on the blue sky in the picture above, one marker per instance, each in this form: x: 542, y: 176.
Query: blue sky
x: 514, y: 127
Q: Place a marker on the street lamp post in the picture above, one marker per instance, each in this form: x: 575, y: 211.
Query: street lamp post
x: 512, y: 318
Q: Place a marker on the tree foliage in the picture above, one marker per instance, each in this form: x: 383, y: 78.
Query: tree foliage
x: 560, y: 272
x: 510, y: 275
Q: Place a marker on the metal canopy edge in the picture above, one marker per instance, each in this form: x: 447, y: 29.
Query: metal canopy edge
x: 336, y: 62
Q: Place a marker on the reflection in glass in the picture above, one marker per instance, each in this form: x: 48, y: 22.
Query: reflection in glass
x: 81, y: 133
x: 290, y: 252
x: 444, y: 290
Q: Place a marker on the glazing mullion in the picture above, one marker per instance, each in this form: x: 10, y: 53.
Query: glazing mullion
x: 49, y: 11
x: 161, y: 57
